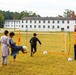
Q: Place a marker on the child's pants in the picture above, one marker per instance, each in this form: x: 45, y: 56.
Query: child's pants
x: 4, y: 60
x: 14, y: 57
x: 33, y: 50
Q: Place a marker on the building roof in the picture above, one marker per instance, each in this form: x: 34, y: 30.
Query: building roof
x: 12, y: 20
x: 42, y: 18
x: 48, y: 18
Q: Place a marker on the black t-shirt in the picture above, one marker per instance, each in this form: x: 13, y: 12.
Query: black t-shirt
x: 34, y: 40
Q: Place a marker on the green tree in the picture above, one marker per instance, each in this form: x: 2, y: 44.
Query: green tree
x: 24, y: 14
x: 60, y: 16
x: 67, y: 13
x: 28, y: 14
x: 16, y: 15
x: 1, y: 20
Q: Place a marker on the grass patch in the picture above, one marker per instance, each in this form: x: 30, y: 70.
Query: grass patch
x: 40, y: 64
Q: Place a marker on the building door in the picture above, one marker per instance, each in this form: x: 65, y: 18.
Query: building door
x: 62, y: 29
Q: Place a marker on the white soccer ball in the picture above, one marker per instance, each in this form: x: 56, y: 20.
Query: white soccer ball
x: 69, y: 59
x: 44, y: 52
x: 24, y: 47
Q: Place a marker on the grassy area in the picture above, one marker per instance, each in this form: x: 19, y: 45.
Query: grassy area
x: 53, y: 63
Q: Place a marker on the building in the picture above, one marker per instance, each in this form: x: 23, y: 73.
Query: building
x: 42, y: 24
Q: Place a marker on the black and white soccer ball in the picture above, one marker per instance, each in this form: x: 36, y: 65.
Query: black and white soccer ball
x: 24, y: 47
x: 45, y: 52
x: 69, y: 59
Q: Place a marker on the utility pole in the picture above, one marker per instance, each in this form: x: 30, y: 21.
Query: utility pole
x: 14, y: 20
x: 14, y: 24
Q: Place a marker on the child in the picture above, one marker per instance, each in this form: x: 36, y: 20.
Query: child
x: 5, y: 44
x: 33, y: 42
x: 14, y: 49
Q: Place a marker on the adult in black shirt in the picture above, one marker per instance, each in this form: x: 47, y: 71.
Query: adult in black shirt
x: 33, y: 42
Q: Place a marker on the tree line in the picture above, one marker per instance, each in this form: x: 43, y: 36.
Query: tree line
x: 7, y: 15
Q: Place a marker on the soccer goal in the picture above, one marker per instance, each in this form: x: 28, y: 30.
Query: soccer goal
x: 55, y: 42
x: 52, y: 42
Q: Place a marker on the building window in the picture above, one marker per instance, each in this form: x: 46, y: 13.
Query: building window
x: 53, y: 21
x: 62, y: 29
x: 34, y: 26
x: 48, y: 21
x: 22, y: 26
x: 57, y: 26
x: 67, y: 27
x: 30, y: 21
x: 43, y: 26
x: 26, y: 21
x: 43, y: 21
x: 75, y: 21
x: 48, y: 26
x: 22, y: 21
x: 58, y: 22
x: 11, y: 22
x: 26, y: 26
x: 19, y: 22
x: 53, y: 27
x: 62, y: 21
x: 39, y: 26
x: 30, y: 26
x: 68, y: 22
x: 39, y: 21
x: 35, y: 21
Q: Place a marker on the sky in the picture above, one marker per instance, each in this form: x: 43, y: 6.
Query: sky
x: 42, y: 7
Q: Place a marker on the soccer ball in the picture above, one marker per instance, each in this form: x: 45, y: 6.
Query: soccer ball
x: 24, y: 47
x: 69, y: 59
x: 44, y: 52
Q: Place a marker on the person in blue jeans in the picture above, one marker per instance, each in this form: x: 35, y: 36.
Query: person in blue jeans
x: 14, y: 48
